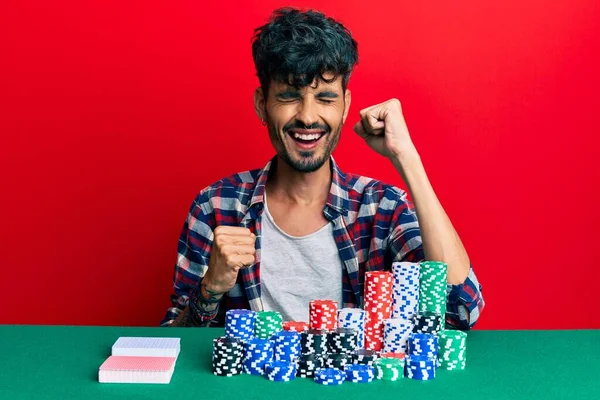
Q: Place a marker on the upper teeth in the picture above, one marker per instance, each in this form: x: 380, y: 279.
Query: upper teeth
x: 307, y: 137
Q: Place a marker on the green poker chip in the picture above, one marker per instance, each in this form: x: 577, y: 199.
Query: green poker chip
x: 452, y: 351
x: 267, y: 323
x: 389, y: 369
x: 433, y: 283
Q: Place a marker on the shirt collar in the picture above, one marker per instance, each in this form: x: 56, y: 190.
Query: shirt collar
x: 338, y: 192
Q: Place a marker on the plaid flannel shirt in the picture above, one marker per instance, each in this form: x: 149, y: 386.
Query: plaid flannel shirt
x: 374, y: 225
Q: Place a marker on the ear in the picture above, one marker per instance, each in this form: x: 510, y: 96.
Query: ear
x: 347, y: 101
x: 260, y: 104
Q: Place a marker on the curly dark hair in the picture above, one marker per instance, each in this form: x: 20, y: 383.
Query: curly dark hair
x: 296, y: 46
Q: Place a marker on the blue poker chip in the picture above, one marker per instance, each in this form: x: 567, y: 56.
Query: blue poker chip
x: 360, y: 373
x: 420, y: 367
x: 258, y: 352
x: 280, y: 371
x: 329, y: 376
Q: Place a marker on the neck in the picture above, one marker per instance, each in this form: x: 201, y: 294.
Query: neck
x: 300, y: 188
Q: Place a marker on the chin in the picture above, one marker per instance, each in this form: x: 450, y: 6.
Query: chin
x: 305, y: 164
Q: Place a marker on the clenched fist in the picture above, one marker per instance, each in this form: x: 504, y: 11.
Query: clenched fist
x: 232, y: 249
x: 384, y: 129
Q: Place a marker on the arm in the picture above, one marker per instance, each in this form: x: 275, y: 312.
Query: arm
x: 464, y: 301
x: 193, y: 254
x: 384, y: 129
x: 442, y: 243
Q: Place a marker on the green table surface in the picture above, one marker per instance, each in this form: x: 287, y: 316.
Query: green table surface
x: 61, y: 362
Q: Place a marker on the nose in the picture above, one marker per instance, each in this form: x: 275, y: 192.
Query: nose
x: 307, y: 113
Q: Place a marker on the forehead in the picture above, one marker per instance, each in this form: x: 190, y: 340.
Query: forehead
x: 316, y: 85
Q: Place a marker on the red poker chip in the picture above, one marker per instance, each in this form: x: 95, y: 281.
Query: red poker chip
x: 323, y: 314
x: 295, y: 326
x: 399, y: 356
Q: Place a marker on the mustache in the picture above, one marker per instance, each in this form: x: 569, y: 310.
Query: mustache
x: 300, y: 125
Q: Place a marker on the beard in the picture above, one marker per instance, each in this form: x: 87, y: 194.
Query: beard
x: 308, y: 162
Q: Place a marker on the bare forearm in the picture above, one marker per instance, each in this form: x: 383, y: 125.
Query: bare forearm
x: 440, y: 240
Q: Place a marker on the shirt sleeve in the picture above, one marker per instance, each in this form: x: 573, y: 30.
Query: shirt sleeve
x: 464, y: 301
x: 193, y: 254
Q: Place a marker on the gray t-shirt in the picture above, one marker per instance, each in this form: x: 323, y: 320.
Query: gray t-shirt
x: 295, y: 270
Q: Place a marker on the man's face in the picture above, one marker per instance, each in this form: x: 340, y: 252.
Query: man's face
x: 304, y: 125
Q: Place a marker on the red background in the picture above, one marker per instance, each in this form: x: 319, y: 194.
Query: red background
x: 115, y: 114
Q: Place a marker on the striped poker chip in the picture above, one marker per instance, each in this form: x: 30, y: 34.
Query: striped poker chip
x: 337, y: 360
x: 420, y: 368
x: 239, y: 323
x: 342, y: 340
x: 286, y: 345
x: 267, y: 323
x: 295, y: 326
x: 427, y: 322
x: 308, y: 364
x: 227, y: 358
x: 353, y: 318
x: 433, y: 284
x: 280, y: 371
x: 364, y: 356
x: 258, y: 352
x: 395, y: 334
x: 423, y: 344
x: 313, y: 341
x: 377, y: 305
x: 360, y: 373
x: 389, y: 369
x: 323, y: 314
x: 329, y: 376
x: 405, y: 289
x: 452, y: 352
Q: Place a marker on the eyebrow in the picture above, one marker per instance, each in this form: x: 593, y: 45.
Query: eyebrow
x: 293, y: 94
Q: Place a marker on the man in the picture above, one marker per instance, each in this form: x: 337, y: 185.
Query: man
x: 301, y: 229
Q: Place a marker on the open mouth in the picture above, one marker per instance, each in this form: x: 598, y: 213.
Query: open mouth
x: 306, y: 138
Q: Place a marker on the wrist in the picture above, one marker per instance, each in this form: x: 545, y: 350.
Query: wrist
x: 406, y: 159
x: 208, y: 294
x: 209, y: 289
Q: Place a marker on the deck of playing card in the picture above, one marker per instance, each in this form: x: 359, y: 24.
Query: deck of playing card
x: 140, y: 360
x: 146, y: 347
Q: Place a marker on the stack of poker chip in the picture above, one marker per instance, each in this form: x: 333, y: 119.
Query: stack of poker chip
x: 267, y: 323
x: 389, y: 369
x: 452, y: 352
x: 313, y: 341
x: 286, y: 345
x: 395, y: 334
x: 338, y: 360
x: 329, y: 376
x: 378, y: 306
x: 258, y: 353
x: 308, y: 364
x: 360, y: 373
x: 240, y: 324
x: 342, y: 340
x: 421, y: 368
x: 432, y: 287
x: 228, y: 355
x: 423, y: 344
x: 405, y: 291
x: 353, y: 318
x: 295, y: 326
x: 280, y: 371
x: 323, y: 314
x: 427, y: 322
x: 365, y: 356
